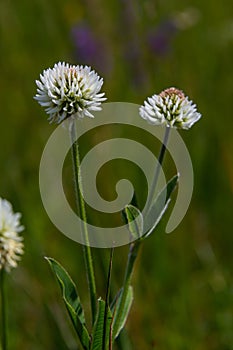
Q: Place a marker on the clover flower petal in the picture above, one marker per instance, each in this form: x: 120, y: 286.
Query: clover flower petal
x: 69, y: 91
x: 171, y: 108
x: 11, y: 245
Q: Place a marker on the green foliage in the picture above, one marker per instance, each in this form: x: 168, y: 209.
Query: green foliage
x: 120, y: 318
x: 140, y: 228
x: 134, y: 219
x: 159, y: 207
x: 72, y: 302
x: 99, y: 342
x: 185, y: 277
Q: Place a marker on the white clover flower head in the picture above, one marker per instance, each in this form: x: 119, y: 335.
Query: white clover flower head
x: 69, y: 91
x: 11, y: 245
x: 171, y: 108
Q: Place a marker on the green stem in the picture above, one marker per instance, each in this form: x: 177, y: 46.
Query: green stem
x: 133, y: 253
x: 134, y: 247
x: 3, y: 313
x: 107, y: 302
x: 158, y: 168
x: 82, y: 212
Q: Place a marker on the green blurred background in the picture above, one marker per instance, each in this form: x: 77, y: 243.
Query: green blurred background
x: 182, y: 281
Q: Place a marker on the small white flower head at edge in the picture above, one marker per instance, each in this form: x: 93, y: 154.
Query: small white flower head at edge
x: 170, y: 108
x: 11, y: 245
x: 69, y: 91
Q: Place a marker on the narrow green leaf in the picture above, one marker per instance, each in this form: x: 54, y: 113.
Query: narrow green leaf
x: 159, y: 206
x: 72, y: 302
x: 171, y: 185
x: 98, y: 331
x: 120, y: 318
x: 115, y: 300
x: 134, y: 219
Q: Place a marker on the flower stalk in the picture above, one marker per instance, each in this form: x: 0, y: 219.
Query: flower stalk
x: 132, y: 255
x: 82, y: 212
x: 3, y: 310
x: 158, y: 167
x: 135, y: 246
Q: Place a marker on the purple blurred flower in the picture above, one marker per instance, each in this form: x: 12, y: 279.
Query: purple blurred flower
x: 88, y: 49
x: 160, y: 38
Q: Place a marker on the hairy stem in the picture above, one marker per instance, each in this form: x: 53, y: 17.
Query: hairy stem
x: 82, y: 213
x: 158, y: 167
